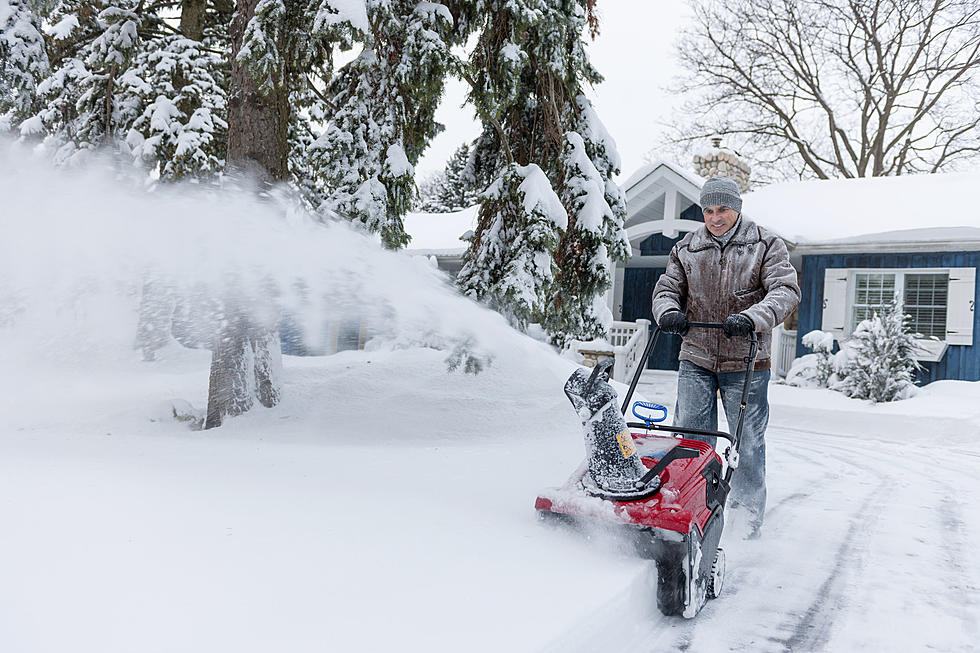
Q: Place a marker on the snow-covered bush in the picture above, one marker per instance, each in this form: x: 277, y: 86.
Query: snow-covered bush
x: 814, y: 370
x: 879, y: 362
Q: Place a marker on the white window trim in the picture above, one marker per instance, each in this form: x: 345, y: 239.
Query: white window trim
x: 932, y: 350
x: 899, y: 273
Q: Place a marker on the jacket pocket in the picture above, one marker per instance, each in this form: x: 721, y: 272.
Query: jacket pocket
x: 743, y: 299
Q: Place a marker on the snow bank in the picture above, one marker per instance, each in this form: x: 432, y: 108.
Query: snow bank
x: 942, y: 410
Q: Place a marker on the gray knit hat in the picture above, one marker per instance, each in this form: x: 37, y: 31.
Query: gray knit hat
x: 721, y: 191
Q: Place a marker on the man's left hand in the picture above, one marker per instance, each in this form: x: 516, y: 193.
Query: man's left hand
x: 738, y: 325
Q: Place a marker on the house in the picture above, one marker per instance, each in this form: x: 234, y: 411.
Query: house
x: 854, y: 243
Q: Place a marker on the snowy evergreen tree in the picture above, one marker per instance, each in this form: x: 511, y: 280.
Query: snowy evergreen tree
x: 526, y: 76
x: 275, y: 46
x: 121, y: 78
x: 385, y: 103
x: 95, y: 42
x: 596, y: 236
x: 23, y: 62
x: 179, y: 100
x: 430, y: 190
x: 510, y: 264
x: 454, y: 189
x: 881, y: 364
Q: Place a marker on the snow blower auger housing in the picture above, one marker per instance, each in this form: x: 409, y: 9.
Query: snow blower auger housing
x: 666, y: 491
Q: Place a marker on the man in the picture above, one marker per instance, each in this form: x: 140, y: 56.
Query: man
x: 736, y: 272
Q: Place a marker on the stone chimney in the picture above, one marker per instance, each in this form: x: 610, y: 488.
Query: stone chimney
x: 723, y: 162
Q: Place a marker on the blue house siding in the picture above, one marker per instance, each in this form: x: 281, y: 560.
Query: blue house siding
x: 959, y: 362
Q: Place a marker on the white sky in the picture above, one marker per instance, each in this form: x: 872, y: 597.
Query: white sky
x: 634, y: 52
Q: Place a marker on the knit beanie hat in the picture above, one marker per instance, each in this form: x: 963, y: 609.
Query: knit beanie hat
x: 721, y: 191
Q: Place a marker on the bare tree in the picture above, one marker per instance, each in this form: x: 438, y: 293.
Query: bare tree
x: 834, y: 88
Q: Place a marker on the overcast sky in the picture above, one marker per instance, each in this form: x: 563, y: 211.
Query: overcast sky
x: 634, y: 52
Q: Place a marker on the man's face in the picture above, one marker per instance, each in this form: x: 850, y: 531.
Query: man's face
x: 719, y: 219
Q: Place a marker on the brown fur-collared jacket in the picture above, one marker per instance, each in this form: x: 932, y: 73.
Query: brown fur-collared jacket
x: 752, y: 275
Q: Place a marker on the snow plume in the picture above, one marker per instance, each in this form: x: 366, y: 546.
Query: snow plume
x: 80, y: 248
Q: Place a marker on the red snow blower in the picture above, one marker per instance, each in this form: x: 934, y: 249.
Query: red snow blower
x: 666, y: 492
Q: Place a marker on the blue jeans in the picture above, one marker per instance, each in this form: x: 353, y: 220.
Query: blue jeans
x: 697, y: 408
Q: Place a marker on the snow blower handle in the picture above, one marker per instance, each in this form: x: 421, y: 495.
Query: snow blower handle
x: 753, y: 339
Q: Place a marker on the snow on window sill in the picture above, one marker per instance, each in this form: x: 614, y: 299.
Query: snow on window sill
x: 930, y: 351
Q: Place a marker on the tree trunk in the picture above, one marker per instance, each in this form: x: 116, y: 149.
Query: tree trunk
x: 246, y: 357
x: 257, y: 123
x: 192, y: 19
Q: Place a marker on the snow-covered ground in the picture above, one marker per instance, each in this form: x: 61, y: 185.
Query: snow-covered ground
x: 387, y: 503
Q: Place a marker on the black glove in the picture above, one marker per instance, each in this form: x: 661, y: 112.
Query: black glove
x: 674, y: 322
x: 738, y: 325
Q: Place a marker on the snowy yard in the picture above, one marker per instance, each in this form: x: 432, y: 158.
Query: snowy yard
x: 386, y: 504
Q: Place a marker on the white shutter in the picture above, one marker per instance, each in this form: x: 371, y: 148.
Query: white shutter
x: 960, y: 310
x: 834, y: 301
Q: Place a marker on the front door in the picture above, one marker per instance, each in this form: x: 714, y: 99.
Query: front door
x: 638, y: 286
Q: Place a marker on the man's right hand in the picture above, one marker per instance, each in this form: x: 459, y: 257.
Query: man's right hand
x: 674, y: 322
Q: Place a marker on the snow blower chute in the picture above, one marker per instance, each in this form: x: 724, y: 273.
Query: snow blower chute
x: 668, y: 492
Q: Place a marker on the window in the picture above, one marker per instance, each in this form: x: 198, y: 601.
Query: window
x: 940, y: 301
x: 924, y: 298
x: 871, y: 292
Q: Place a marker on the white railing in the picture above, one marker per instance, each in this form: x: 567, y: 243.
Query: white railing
x: 783, y: 350
x: 628, y: 354
x: 626, y: 343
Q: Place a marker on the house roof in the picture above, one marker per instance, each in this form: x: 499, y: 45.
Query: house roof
x: 901, y: 213
x: 906, y: 209
x: 440, y: 234
x: 644, y: 171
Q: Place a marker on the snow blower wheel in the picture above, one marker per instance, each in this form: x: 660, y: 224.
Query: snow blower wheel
x: 717, y: 581
x: 671, y: 587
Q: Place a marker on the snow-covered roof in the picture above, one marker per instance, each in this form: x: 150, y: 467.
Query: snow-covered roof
x: 644, y: 171
x: 907, y: 212
x: 910, y: 208
x: 440, y: 234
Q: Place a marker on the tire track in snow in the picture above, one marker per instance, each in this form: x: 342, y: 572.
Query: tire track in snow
x: 954, y: 552
x: 813, y: 629
x: 942, y: 538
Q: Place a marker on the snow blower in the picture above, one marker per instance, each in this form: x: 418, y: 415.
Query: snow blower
x: 666, y: 492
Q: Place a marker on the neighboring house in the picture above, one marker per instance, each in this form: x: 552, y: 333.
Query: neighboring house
x: 855, y: 243
x: 862, y: 241
x: 441, y: 235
